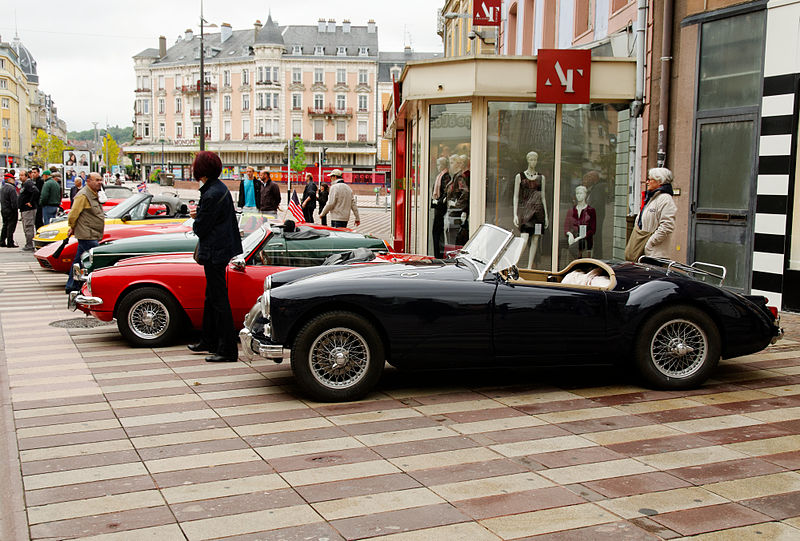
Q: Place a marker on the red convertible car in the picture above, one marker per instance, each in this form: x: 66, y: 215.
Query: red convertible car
x: 154, y: 297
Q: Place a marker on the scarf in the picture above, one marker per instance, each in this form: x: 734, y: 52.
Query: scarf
x: 648, y: 195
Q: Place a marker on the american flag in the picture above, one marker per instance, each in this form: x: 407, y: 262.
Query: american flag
x: 142, y: 187
x: 294, y: 208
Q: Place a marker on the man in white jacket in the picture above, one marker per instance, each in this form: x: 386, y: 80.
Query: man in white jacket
x: 340, y: 202
x: 658, y: 214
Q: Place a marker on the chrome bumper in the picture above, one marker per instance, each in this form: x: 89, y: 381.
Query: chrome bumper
x: 778, y: 336
x: 78, y: 273
x: 254, y: 348
x: 76, y: 298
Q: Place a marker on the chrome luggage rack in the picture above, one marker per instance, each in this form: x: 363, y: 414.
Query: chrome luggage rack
x: 694, y: 270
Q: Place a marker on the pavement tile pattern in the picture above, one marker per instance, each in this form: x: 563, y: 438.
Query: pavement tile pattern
x: 117, y: 443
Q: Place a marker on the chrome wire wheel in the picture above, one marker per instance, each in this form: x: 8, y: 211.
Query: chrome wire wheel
x: 339, y: 358
x: 148, y: 319
x: 679, y: 348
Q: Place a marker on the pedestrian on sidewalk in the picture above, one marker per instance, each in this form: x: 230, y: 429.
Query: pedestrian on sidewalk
x: 322, y: 197
x: 218, y: 241
x: 270, y: 194
x: 50, y: 198
x: 9, y: 208
x: 37, y: 178
x: 75, y: 189
x: 86, y: 221
x: 28, y: 202
x: 249, y: 190
x: 341, y: 201
x: 309, y: 199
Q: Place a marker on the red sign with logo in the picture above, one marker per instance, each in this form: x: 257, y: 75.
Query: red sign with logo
x: 563, y: 75
x: 486, y: 12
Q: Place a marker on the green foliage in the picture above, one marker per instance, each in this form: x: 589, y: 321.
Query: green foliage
x: 154, y: 174
x: 299, y: 155
x: 124, y: 135
x: 47, y: 149
x: 110, y: 151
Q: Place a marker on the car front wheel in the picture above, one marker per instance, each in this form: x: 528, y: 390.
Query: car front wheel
x: 677, y: 348
x: 337, y: 356
x: 149, y: 317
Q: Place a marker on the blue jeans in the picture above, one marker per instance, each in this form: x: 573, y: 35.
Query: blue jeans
x: 48, y: 213
x: 338, y: 223
x: 83, y: 246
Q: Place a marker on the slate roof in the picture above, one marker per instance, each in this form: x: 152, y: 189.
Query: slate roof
x: 309, y: 37
x: 270, y: 33
x: 388, y: 60
x: 26, y: 60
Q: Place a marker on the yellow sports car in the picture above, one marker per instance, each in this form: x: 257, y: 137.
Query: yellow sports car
x: 138, y: 209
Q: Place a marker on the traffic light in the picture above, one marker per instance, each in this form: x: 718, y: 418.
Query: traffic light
x: 324, y: 155
x: 137, y: 160
x: 294, y: 146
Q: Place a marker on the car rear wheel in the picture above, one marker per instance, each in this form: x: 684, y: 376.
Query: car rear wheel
x: 149, y: 317
x: 337, y: 356
x: 677, y: 348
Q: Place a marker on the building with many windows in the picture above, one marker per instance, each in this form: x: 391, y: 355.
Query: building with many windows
x: 262, y: 87
x: 14, y: 109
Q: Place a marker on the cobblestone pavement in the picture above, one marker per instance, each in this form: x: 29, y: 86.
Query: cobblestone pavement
x: 116, y: 443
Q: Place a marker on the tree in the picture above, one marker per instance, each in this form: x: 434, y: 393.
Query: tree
x: 47, y: 149
x: 110, y: 151
x: 299, y: 155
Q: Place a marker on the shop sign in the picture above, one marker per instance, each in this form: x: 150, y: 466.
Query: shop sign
x: 563, y: 75
x: 486, y: 12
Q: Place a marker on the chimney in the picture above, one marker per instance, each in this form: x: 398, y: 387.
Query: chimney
x: 256, y: 28
x: 371, y: 26
x: 162, y: 46
x: 407, y: 50
x: 188, y: 35
x: 225, y: 31
x: 321, y: 25
x: 331, y: 26
x: 346, y: 26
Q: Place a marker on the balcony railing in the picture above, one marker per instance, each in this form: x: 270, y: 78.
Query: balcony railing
x: 260, y: 136
x: 362, y: 138
x: 196, y: 112
x: 263, y: 108
x: 268, y: 83
x: 340, y: 137
x: 330, y: 111
x: 191, y: 89
x: 142, y: 90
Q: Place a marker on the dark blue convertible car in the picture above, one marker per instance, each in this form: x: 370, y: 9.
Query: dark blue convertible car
x: 343, y: 323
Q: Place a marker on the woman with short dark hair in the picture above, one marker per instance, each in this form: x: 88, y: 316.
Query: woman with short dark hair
x: 218, y: 241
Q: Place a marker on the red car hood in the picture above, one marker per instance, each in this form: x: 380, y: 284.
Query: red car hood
x: 157, y: 258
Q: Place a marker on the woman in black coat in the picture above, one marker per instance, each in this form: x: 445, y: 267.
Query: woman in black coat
x: 218, y: 241
x: 322, y: 198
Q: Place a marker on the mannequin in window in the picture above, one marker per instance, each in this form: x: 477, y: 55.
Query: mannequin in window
x: 580, y: 225
x: 439, y: 204
x: 597, y: 198
x: 530, y: 210
x: 457, y: 196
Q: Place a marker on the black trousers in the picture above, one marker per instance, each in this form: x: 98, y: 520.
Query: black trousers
x: 308, y: 213
x: 39, y: 221
x: 9, y: 226
x: 218, y: 329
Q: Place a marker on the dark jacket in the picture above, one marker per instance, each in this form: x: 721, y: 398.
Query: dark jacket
x: 28, y: 196
x: 73, y: 192
x: 270, y: 197
x: 256, y: 191
x: 51, y: 193
x: 309, y: 193
x: 215, y: 225
x: 9, y: 200
x: 322, y: 196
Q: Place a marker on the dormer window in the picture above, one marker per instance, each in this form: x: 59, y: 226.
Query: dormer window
x: 363, y: 51
x: 297, y: 49
x: 319, y: 50
x: 341, y: 51
x: 395, y: 71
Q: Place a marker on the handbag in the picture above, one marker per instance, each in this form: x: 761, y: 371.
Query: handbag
x: 634, y: 249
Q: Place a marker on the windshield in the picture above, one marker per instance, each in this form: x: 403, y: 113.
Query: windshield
x: 509, y: 256
x: 484, y: 246
x: 117, y: 192
x: 252, y: 240
x: 125, y: 207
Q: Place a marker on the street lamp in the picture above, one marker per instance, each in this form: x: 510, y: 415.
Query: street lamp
x: 162, y: 153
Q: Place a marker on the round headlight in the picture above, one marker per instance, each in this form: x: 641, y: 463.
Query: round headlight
x: 53, y: 233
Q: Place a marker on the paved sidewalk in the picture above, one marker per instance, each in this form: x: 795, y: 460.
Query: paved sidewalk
x: 117, y: 443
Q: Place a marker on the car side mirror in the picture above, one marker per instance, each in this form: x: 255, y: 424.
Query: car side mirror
x: 238, y: 263
x: 127, y: 218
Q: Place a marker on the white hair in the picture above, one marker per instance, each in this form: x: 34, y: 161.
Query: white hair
x: 661, y: 174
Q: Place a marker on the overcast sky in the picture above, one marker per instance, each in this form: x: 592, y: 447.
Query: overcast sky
x: 83, y: 48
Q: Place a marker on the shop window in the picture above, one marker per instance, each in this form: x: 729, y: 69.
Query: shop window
x: 519, y: 186
x: 449, y: 176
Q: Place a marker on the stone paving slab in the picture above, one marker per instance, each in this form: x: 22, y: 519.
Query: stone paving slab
x: 109, y: 442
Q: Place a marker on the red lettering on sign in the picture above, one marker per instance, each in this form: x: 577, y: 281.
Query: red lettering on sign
x: 486, y: 12
x: 563, y: 75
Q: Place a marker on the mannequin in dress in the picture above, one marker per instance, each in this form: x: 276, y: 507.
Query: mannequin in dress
x: 530, y: 208
x: 580, y: 225
x: 439, y: 205
x: 457, y: 195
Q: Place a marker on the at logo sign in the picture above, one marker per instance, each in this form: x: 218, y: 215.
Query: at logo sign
x: 486, y: 12
x: 563, y: 75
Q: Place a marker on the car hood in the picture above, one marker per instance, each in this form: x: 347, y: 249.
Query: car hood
x: 148, y: 243
x: 157, y: 258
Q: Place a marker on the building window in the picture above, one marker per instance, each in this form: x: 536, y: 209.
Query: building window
x: 196, y: 129
x: 162, y: 106
x: 341, y: 50
x: 146, y: 107
x: 363, y: 51
x: 161, y: 82
x: 2, y: 63
x: 207, y: 104
x: 362, y: 131
x: 297, y: 75
x: 267, y: 75
x: 362, y: 103
x: 162, y: 129
x: 146, y: 130
x: 227, y: 129
x: 297, y: 101
x: 177, y: 81
x: 296, y: 128
x: 583, y: 15
x: 319, y: 101
x: 6, y: 123
x: 146, y: 82
x: 275, y: 98
x: 297, y: 49
x: 5, y: 103
x: 341, y: 130
x: 245, y: 77
x: 178, y: 130
x: 341, y: 76
x: 208, y: 131
x: 3, y: 84
x: 226, y: 103
x: 319, y: 130
x: 245, y: 128
x: 178, y: 105
x: 245, y: 102
x: 363, y: 77
x: 318, y: 75
x: 319, y: 50
x: 226, y: 78
x: 275, y: 75
x: 260, y: 75
x: 341, y: 102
